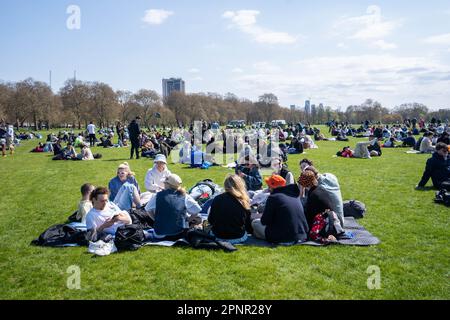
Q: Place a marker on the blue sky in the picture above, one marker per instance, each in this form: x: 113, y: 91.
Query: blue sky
x: 335, y: 52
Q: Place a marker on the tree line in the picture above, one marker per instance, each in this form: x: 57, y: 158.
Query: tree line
x: 79, y: 102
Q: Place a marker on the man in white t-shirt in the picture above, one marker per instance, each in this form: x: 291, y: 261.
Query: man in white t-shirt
x: 105, y: 216
x: 91, y: 131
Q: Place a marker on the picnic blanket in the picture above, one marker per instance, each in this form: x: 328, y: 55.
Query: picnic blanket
x: 357, y: 236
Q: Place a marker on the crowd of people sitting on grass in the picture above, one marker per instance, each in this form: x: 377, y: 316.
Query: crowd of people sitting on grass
x: 395, y: 137
x: 279, y: 209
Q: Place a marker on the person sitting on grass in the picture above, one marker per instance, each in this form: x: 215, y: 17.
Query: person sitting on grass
x: 324, y: 193
x: 85, y: 204
x: 249, y: 171
x: 171, y: 209
x: 86, y: 153
x: 124, y: 188
x: 230, y: 212
x: 155, y: 177
x: 281, y: 169
x: 124, y: 174
x: 437, y: 168
x: 390, y: 143
x: 426, y: 145
x: 283, y: 220
x: 105, y: 216
x: 69, y: 153
x: 409, y: 141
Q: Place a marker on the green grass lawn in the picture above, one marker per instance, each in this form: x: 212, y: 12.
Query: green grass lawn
x: 413, y: 255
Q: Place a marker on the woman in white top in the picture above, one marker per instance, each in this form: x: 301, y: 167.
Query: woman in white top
x: 155, y: 177
x: 426, y: 146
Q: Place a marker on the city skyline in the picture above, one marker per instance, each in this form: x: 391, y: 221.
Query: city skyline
x: 335, y: 54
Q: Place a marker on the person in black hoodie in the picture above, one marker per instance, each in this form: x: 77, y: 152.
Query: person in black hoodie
x: 230, y: 212
x: 134, y: 131
x: 318, y: 199
x: 437, y: 168
x: 283, y: 220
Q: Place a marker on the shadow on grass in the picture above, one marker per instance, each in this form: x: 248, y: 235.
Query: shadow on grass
x: 425, y: 189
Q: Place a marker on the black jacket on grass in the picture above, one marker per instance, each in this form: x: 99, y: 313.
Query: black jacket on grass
x: 228, y: 218
x: 284, y: 217
x: 438, y: 169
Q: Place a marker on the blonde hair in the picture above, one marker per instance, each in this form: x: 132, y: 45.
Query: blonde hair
x: 125, y: 166
x: 235, y: 186
x: 179, y: 189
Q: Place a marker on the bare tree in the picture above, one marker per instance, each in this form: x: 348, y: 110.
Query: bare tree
x: 147, y: 100
x: 75, y: 98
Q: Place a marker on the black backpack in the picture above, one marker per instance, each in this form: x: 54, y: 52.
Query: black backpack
x: 141, y: 218
x: 443, y: 196
x: 59, y: 235
x: 354, y: 208
x: 129, y: 237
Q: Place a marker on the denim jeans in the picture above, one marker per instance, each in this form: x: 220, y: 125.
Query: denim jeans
x: 232, y: 241
x: 124, y: 197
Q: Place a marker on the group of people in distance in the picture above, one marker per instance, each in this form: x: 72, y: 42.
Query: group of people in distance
x: 288, y: 213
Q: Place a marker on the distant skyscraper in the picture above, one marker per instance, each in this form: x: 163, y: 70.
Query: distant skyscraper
x: 307, y: 107
x: 292, y: 107
x: 172, y: 84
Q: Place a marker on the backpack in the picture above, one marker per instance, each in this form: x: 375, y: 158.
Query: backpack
x: 324, y: 225
x: 355, y: 209
x: 443, y: 196
x: 59, y: 235
x: 142, y: 218
x: 445, y: 185
x: 129, y: 237
x: 204, y: 190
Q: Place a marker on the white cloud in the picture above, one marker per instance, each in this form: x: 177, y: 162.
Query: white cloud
x: 198, y: 78
x: 156, y: 16
x: 441, y: 39
x: 193, y: 70
x: 384, y: 45
x: 237, y: 70
x: 351, y: 79
x: 371, y: 27
x: 342, y: 45
x: 265, y: 67
x: 245, y: 21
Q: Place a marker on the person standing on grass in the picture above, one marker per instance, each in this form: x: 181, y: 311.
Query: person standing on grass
x: 283, y: 220
x: 91, y: 130
x: 437, y: 168
x: 134, y: 131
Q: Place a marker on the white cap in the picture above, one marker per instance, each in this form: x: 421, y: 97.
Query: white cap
x: 160, y: 158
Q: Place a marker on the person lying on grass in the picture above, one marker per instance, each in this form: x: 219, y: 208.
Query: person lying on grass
x: 105, y: 216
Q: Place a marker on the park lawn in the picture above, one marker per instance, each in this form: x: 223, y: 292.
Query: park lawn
x: 413, y: 256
